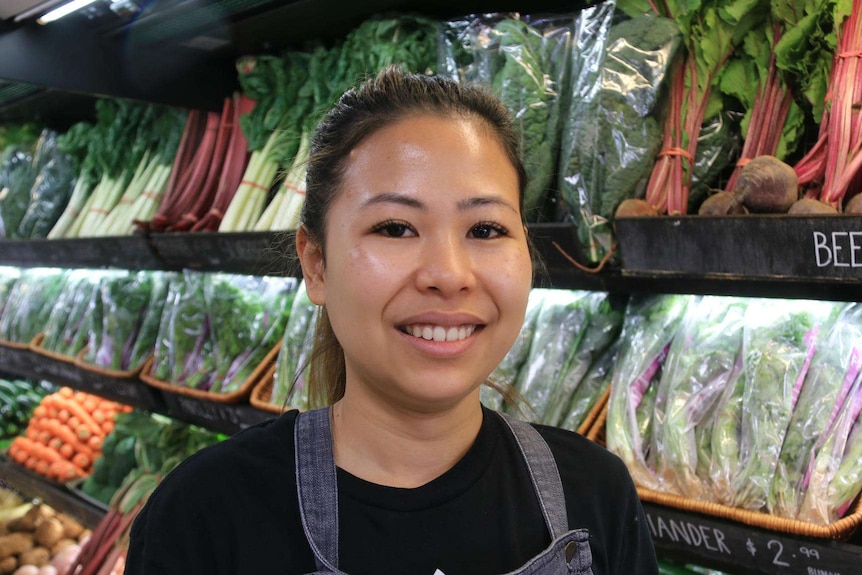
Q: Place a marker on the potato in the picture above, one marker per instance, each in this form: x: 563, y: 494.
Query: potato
x: 71, y: 528
x: 30, y: 520
x: 37, y: 556
x: 48, y: 532
x: 15, y: 544
x: 84, y: 535
x: 8, y: 565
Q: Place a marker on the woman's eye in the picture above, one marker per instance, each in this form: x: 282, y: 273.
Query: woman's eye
x: 486, y: 231
x: 393, y: 229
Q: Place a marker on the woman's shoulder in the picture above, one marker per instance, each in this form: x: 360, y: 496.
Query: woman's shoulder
x: 589, y: 462
x: 263, y: 452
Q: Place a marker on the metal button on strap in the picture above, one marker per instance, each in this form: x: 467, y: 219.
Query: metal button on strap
x: 571, y: 549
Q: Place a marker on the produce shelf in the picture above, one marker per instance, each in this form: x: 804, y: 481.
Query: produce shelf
x: 746, y: 550
x: 59, y: 496
x: 253, y: 253
x: 127, y: 252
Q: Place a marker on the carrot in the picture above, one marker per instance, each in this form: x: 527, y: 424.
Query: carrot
x: 31, y: 433
x: 74, y: 422
x: 42, y: 467
x: 44, y: 437
x: 63, y: 415
x: 42, y: 452
x: 66, y: 392
x: 56, y: 443
x: 95, y: 443
x: 90, y: 403
x: 64, y: 470
x: 40, y: 411
x: 79, y: 397
x: 82, y: 460
x: 77, y: 410
x: 99, y: 415
x: 108, y: 426
x: 66, y: 435
x: 31, y: 463
x: 67, y: 451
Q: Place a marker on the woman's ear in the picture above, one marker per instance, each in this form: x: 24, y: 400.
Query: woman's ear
x: 311, y: 259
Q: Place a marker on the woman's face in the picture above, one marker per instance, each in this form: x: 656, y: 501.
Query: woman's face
x: 427, y: 270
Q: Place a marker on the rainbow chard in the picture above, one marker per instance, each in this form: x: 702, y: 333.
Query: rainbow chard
x: 711, y: 31
x: 834, y: 163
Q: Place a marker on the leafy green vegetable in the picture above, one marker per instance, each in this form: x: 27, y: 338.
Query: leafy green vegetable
x: 779, y: 342
x: 184, y: 346
x: 590, y: 389
x: 68, y: 326
x: 30, y: 302
x: 145, y: 342
x: 248, y: 316
x: 612, y: 128
x: 290, y: 358
x: 702, y: 359
x: 649, y: 325
x: 827, y: 385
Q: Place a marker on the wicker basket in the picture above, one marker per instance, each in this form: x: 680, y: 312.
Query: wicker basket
x: 591, y: 420
x: 20, y: 346
x: 241, y: 394
x: 597, y: 428
x: 36, y: 347
x: 262, y: 393
x: 113, y: 373
x: 841, y: 529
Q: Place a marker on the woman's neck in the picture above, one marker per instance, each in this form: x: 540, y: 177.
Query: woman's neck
x: 399, y: 448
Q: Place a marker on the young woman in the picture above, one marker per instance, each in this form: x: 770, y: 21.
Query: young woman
x: 413, y: 243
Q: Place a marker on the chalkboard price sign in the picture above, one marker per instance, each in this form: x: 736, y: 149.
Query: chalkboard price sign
x: 225, y: 417
x: 734, y: 546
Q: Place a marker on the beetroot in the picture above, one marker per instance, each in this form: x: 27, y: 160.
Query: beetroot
x: 810, y: 206
x: 720, y: 204
x: 634, y: 208
x: 854, y: 206
x: 767, y: 185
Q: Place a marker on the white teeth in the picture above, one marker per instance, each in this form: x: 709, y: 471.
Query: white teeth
x: 440, y: 333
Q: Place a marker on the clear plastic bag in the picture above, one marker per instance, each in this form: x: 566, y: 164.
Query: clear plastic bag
x: 649, y: 326
x: 299, y: 396
x: 184, y: 346
x: 559, y: 328
x: 248, y: 315
x: 702, y: 359
x: 604, y: 321
x: 289, y: 360
x: 8, y: 277
x: 828, y: 384
x: 779, y: 342
x: 16, y: 177
x: 506, y: 372
x: 524, y: 64
x: 834, y: 478
x: 49, y: 196
x: 69, y: 324
x: 29, y: 304
x: 612, y: 127
x: 148, y: 333
x: 125, y: 302
x: 591, y: 387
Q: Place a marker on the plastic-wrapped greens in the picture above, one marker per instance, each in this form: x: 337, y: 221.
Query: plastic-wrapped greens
x: 145, y: 342
x: 649, y: 326
x: 248, y: 315
x: 29, y: 304
x: 290, y: 360
x: 524, y: 64
x: 299, y: 394
x: 702, y: 359
x: 612, y: 128
x: 559, y: 328
x: 49, y: 196
x: 8, y: 277
x: 126, y: 319
x: 779, y: 342
x: 68, y: 328
x: 834, y: 369
x: 590, y: 389
x: 834, y: 477
x: 16, y: 177
x: 601, y: 329
x: 184, y: 347
x: 506, y: 372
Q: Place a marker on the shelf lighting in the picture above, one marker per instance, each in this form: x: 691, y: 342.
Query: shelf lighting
x: 64, y: 10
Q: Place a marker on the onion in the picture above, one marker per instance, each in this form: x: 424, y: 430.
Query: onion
x: 65, y: 557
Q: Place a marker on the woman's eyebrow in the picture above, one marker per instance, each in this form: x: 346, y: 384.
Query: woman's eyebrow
x: 393, y: 198
x: 410, y: 202
x: 480, y: 201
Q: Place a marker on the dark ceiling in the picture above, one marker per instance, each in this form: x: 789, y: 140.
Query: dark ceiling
x: 177, y: 52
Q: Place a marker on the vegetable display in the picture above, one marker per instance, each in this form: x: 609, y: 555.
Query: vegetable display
x: 524, y: 64
x: 612, y: 126
x: 65, y: 434
x: 29, y: 303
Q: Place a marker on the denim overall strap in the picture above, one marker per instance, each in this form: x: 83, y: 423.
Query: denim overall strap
x: 544, y: 474
x: 316, y: 486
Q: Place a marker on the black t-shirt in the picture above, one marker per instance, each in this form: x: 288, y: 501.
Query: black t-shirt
x: 232, y: 509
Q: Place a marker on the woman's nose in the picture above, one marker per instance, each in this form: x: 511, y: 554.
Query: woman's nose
x: 446, y: 267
